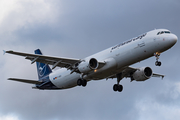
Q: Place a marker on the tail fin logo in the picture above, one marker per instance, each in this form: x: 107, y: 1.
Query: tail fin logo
x: 42, y: 70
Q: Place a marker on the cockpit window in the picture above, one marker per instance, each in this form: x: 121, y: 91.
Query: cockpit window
x: 162, y: 32
x: 167, y: 32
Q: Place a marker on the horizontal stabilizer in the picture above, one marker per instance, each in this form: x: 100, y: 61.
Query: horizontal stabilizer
x: 25, y: 81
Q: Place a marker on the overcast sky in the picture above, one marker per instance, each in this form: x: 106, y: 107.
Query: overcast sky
x: 77, y: 29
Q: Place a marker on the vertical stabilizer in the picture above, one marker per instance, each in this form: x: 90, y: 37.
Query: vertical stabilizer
x: 42, y: 69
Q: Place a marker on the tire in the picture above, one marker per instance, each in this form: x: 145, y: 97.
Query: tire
x: 156, y: 63
x: 120, y: 88
x: 79, y: 82
x: 84, y: 83
x: 159, y: 63
x: 115, y: 87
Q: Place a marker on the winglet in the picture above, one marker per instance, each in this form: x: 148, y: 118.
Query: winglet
x: 4, y: 52
x: 163, y: 77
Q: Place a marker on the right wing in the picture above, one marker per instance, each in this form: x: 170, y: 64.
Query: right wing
x: 128, y: 71
x: 153, y: 74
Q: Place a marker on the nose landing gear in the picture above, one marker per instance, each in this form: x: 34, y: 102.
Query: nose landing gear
x: 157, y: 63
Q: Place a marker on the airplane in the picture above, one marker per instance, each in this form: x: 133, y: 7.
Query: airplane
x: 113, y: 62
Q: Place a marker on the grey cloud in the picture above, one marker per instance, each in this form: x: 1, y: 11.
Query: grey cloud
x: 83, y: 28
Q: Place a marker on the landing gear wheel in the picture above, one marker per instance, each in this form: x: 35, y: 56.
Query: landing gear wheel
x: 115, y: 87
x: 79, y: 82
x: 157, y: 63
x: 118, y: 87
x: 84, y: 83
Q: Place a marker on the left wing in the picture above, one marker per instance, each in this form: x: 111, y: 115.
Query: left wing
x: 55, y: 61
x: 69, y: 63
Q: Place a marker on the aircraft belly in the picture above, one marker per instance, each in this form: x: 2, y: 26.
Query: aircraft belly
x: 101, y: 75
x: 66, y: 80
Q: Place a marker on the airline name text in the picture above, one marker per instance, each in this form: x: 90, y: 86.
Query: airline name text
x: 134, y: 39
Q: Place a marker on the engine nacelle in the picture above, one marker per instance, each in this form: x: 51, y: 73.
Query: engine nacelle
x: 85, y: 67
x: 142, y: 74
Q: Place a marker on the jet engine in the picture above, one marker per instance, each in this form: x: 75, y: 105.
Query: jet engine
x: 85, y: 67
x: 142, y: 74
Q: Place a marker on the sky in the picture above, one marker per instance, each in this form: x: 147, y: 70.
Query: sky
x: 77, y: 29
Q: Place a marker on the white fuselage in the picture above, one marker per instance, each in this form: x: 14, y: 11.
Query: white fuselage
x: 118, y: 57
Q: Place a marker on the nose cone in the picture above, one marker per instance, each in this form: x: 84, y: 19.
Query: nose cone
x: 174, y: 39
x: 169, y: 41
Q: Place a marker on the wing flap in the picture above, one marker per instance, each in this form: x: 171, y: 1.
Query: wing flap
x: 25, y: 81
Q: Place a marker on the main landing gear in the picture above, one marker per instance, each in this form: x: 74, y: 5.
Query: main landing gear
x: 118, y: 87
x: 81, y: 82
x: 157, y: 63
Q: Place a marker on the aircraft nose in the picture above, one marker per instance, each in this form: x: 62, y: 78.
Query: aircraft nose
x: 174, y: 38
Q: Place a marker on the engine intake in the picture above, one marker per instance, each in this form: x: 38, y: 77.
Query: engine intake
x: 142, y: 74
x: 85, y: 67
x: 93, y: 63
